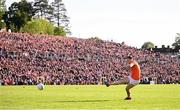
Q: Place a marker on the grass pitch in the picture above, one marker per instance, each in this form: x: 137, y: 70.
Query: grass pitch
x: 90, y: 97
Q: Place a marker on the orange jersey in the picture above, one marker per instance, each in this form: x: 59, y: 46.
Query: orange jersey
x: 135, y: 70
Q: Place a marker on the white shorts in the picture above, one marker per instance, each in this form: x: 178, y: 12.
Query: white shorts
x: 132, y: 81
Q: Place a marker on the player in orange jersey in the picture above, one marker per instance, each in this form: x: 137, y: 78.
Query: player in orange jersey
x: 132, y: 80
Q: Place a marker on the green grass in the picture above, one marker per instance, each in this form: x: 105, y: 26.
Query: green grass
x: 76, y: 97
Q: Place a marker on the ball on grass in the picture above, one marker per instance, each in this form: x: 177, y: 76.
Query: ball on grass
x: 40, y: 86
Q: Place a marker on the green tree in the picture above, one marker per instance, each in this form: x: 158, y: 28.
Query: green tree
x: 2, y: 6
x: 2, y: 11
x: 43, y: 9
x: 60, y: 15
x: 18, y: 15
x: 59, y: 31
x: 176, y: 44
x: 39, y: 26
x: 147, y: 45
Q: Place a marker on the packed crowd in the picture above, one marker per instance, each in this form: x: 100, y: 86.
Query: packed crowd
x: 66, y: 60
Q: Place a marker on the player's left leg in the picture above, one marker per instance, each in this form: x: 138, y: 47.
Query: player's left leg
x: 131, y: 84
x: 128, y: 87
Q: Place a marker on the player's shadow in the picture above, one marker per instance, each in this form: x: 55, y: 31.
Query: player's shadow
x: 83, y: 101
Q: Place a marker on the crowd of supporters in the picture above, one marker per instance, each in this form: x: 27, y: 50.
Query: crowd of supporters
x: 66, y: 60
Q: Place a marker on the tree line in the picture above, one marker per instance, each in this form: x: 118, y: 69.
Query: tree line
x: 39, y: 16
x: 175, y: 45
x: 43, y: 17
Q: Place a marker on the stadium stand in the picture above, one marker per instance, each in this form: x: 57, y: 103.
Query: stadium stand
x: 67, y: 60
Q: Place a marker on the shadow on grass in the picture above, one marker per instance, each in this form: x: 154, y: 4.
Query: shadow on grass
x: 84, y: 101
x: 62, y: 101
